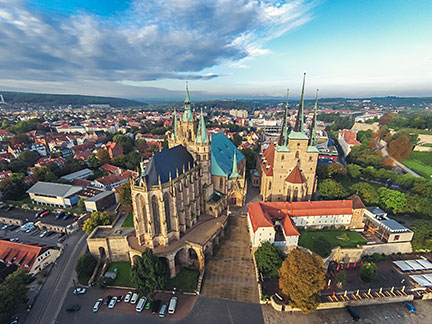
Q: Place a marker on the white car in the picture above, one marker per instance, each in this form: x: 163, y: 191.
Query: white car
x: 128, y: 297
x: 79, y: 291
x: 113, y: 302
x: 97, y: 305
x: 43, y: 234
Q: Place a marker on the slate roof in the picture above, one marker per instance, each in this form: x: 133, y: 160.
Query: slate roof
x: 54, y: 189
x: 166, y: 162
x: 222, y: 155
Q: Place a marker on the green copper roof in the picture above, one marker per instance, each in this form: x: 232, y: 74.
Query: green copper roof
x: 187, y: 115
x: 234, y: 172
x: 202, y: 130
x: 313, y: 136
x: 298, y: 136
x: 222, y: 155
x: 299, y: 125
x: 312, y: 149
x: 283, y: 138
x: 282, y: 148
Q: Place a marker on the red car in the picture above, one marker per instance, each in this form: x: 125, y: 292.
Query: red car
x: 44, y: 214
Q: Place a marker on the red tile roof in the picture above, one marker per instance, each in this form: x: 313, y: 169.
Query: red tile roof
x: 295, y: 176
x: 349, y: 136
x: 111, y: 168
x: 23, y: 255
x: 267, y: 160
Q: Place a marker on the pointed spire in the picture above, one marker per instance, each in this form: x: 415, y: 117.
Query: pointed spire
x: 202, y: 130
x: 313, y: 137
x: 234, y: 172
x: 175, y: 125
x: 299, y: 125
x: 187, y: 115
x: 283, y: 139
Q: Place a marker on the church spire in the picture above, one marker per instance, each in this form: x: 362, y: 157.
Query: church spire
x: 187, y: 115
x: 202, y: 130
x: 299, y: 125
x: 174, y: 134
x: 313, y: 137
x: 234, y: 172
x: 283, y: 139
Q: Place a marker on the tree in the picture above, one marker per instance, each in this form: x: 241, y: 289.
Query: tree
x: 103, y: 156
x: 164, y: 144
x: 354, y: 170
x: 236, y: 140
x: 14, y: 187
x: 125, y: 141
x: 268, y: 259
x: 141, y: 145
x: 368, y: 271
x: 12, y: 293
x: 341, y: 277
x: 330, y: 189
x: 96, y: 219
x: 250, y: 155
x: 302, y: 278
x: 401, y: 147
x: 125, y: 198
x: 366, y: 192
x: 392, y: 200
x: 337, y: 171
x: 119, y: 161
x: 422, y: 240
x: 321, y: 246
x: 85, y: 265
x: 43, y: 173
x: 148, y: 273
x: 322, y: 171
x: 93, y: 161
x: 80, y: 203
x: 29, y: 157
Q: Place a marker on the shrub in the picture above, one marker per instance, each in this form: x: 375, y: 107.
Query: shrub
x: 368, y: 271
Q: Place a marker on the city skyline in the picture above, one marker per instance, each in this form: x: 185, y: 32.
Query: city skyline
x: 137, y: 49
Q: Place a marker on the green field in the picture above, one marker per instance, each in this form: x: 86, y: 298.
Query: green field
x: 186, y: 280
x: 345, y: 239
x: 123, y: 274
x: 129, y: 222
x: 421, y: 163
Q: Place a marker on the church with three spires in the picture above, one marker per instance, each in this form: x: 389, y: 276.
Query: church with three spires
x: 287, y: 167
x: 198, y: 174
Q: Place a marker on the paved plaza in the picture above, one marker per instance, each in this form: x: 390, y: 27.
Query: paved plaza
x: 230, y: 272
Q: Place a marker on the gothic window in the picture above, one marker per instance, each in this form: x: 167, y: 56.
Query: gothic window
x: 269, y: 185
x: 283, y: 156
x: 156, y: 219
x: 142, y: 210
x: 167, y: 212
x: 221, y: 182
x: 310, y: 158
x: 297, y: 155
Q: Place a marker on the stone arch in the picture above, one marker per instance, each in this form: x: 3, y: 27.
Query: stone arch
x: 166, y: 199
x: 102, y: 253
x: 192, y: 254
x: 156, y: 216
x: 181, y: 259
x: 135, y: 258
x: 165, y: 262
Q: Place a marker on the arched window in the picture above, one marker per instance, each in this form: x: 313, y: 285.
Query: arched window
x: 283, y: 157
x: 167, y: 212
x: 297, y: 155
x: 142, y: 210
x: 156, y: 219
x: 221, y: 182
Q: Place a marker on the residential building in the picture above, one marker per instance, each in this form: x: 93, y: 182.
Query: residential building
x: 114, y: 149
x: 81, y: 174
x: 347, y: 139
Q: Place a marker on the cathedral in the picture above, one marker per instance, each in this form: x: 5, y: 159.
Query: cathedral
x: 287, y: 167
x: 196, y: 175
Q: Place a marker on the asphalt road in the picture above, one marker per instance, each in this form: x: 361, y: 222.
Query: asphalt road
x: 53, y: 292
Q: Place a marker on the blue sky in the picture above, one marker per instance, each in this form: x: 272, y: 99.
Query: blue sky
x: 225, y: 48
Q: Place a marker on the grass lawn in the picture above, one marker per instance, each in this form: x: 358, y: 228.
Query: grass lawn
x: 186, y: 280
x: 419, y: 167
x: 129, y: 222
x: 123, y: 274
x: 346, y: 239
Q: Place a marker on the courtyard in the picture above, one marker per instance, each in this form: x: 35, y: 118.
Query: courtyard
x: 342, y: 238
x: 230, y: 272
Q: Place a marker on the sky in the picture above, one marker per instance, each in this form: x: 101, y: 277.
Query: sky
x: 224, y: 48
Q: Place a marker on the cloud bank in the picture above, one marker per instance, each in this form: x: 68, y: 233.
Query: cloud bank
x: 150, y: 40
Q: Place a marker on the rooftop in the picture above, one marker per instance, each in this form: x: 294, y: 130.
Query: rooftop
x: 53, y: 189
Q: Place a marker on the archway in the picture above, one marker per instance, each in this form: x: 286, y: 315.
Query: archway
x: 181, y: 259
x: 102, y: 253
x: 165, y: 262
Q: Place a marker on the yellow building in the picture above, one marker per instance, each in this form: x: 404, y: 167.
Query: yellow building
x: 287, y: 167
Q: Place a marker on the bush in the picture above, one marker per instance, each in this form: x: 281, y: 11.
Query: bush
x: 368, y: 271
x: 341, y: 277
x: 85, y: 266
x: 321, y: 246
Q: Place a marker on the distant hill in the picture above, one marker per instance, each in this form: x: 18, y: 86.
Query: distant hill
x: 45, y: 99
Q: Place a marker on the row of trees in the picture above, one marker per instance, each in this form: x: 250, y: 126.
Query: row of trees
x: 12, y: 294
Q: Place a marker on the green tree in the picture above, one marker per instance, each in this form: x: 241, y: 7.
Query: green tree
x: 96, y: 219
x: 322, y: 171
x: 337, y: 171
x: 268, y: 259
x: 141, y: 145
x: 93, y: 161
x: 368, y: 271
x: 366, y: 192
x: 250, y: 156
x: 330, y: 189
x: 14, y: 187
x: 354, y: 170
x: 302, y: 278
x: 85, y: 266
x: 125, y: 141
x: 148, y: 273
x: 12, y: 293
x: 392, y: 200
x: 103, y: 156
x: 422, y: 240
x: 164, y: 144
x: 125, y: 198
x: 29, y: 157
x: 341, y: 277
x: 236, y: 140
x: 133, y: 160
x: 81, y: 203
x: 43, y: 173
x: 119, y: 161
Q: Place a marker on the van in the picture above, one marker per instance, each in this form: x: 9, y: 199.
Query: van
x: 353, y: 313
x: 172, y: 305
x: 141, y: 304
x: 134, y: 298
x: 163, y: 310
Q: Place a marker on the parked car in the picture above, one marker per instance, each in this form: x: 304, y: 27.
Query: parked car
x: 50, y: 233
x: 73, y: 308
x: 9, y: 208
x: 148, y: 304
x: 15, y: 239
x: 66, y: 216
x: 172, y: 305
x: 14, y: 320
x: 112, y: 303
x: 155, y: 306
x: 163, y: 310
x: 410, y: 307
x: 60, y: 214
x: 13, y: 227
x: 107, y: 300
x: 128, y: 297
x: 134, y: 298
x: 119, y: 298
x: 43, y: 234
x: 141, y: 304
x: 45, y: 213
x: 79, y: 291
x: 98, y: 305
x: 39, y: 213
x: 353, y: 313
x: 5, y: 227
